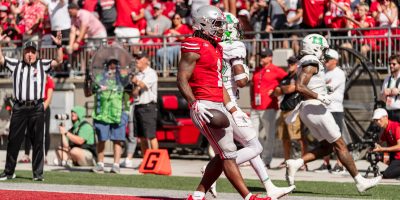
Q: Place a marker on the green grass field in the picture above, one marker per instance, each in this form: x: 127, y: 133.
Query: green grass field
x: 304, y: 188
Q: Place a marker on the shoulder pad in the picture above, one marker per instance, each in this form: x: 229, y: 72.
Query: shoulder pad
x: 191, y: 44
x: 309, y: 60
x: 234, y: 49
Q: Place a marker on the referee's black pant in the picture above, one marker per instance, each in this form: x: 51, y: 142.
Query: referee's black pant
x: 29, y: 120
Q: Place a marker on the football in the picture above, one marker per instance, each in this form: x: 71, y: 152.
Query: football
x: 219, y: 119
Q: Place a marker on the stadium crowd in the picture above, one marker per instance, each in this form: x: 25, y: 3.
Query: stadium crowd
x: 34, y: 19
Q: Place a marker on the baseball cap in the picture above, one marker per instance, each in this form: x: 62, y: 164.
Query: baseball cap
x: 30, y: 44
x: 379, y: 113
x: 157, y: 6
x: 265, y: 52
x: 292, y: 59
x: 245, y: 13
x: 140, y: 54
x: 332, y: 54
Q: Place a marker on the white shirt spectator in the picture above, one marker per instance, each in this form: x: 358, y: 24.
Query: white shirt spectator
x: 394, y: 100
x: 336, y: 82
x: 150, y: 79
x: 59, y: 16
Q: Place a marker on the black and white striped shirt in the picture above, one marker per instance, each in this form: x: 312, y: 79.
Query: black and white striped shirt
x: 29, y: 81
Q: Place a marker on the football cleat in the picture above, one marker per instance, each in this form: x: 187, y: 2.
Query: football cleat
x: 367, y: 184
x: 190, y: 197
x: 254, y: 197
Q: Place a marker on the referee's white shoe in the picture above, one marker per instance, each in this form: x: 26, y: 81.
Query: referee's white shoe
x: 366, y: 184
x: 292, y: 166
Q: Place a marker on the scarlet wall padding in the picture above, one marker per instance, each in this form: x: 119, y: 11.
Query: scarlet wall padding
x: 187, y: 133
x: 169, y: 102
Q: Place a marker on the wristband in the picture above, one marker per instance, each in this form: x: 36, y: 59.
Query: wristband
x: 230, y: 105
x: 59, y: 46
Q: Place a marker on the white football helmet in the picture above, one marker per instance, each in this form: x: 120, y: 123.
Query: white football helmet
x: 314, y: 44
x: 210, y: 20
x: 232, y: 31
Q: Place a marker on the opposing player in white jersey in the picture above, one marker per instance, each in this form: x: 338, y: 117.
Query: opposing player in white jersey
x: 236, y: 74
x: 312, y: 86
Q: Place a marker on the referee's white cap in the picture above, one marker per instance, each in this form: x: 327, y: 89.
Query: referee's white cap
x: 379, y: 113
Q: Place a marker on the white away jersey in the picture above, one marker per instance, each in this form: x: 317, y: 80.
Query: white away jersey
x: 234, y: 52
x: 317, y: 82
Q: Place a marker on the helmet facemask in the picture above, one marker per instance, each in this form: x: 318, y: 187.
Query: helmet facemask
x: 210, y: 21
x: 233, y: 30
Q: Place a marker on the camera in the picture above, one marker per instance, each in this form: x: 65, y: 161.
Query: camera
x: 374, y: 157
x: 370, y: 138
x: 61, y: 116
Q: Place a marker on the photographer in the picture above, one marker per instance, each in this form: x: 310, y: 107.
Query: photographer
x: 78, y: 143
x: 390, y: 135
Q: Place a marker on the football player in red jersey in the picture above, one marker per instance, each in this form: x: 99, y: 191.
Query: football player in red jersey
x: 200, y: 82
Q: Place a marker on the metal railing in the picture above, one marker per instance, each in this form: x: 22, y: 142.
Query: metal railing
x: 165, y: 55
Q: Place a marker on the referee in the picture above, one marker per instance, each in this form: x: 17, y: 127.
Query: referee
x: 29, y: 80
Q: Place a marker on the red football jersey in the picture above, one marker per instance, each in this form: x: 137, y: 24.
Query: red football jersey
x: 206, y: 80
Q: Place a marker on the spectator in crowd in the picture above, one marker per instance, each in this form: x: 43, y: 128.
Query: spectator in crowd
x: 157, y: 24
x: 28, y: 110
x: 391, y: 89
x: 78, y: 143
x: 130, y: 15
x: 264, y: 104
x: 294, y: 17
x: 108, y: 14
x: 244, y: 21
x: 110, y: 124
x: 363, y: 20
x: 131, y: 138
x: 171, y: 52
x: 46, y: 33
x: 145, y: 92
x: 276, y: 19
x: 335, y: 15
x: 258, y: 17
x: 390, y: 136
x: 289, y: 132
x: 385, y: 13
x: 9, y: 26
x: 313, y: 14
x: 32, y: 14
x: 84, y: 23
x: 59, y: 17
x: 48, y: 95
x: 183, y: 9
x: 335, y: 81
x: 230, y: 6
